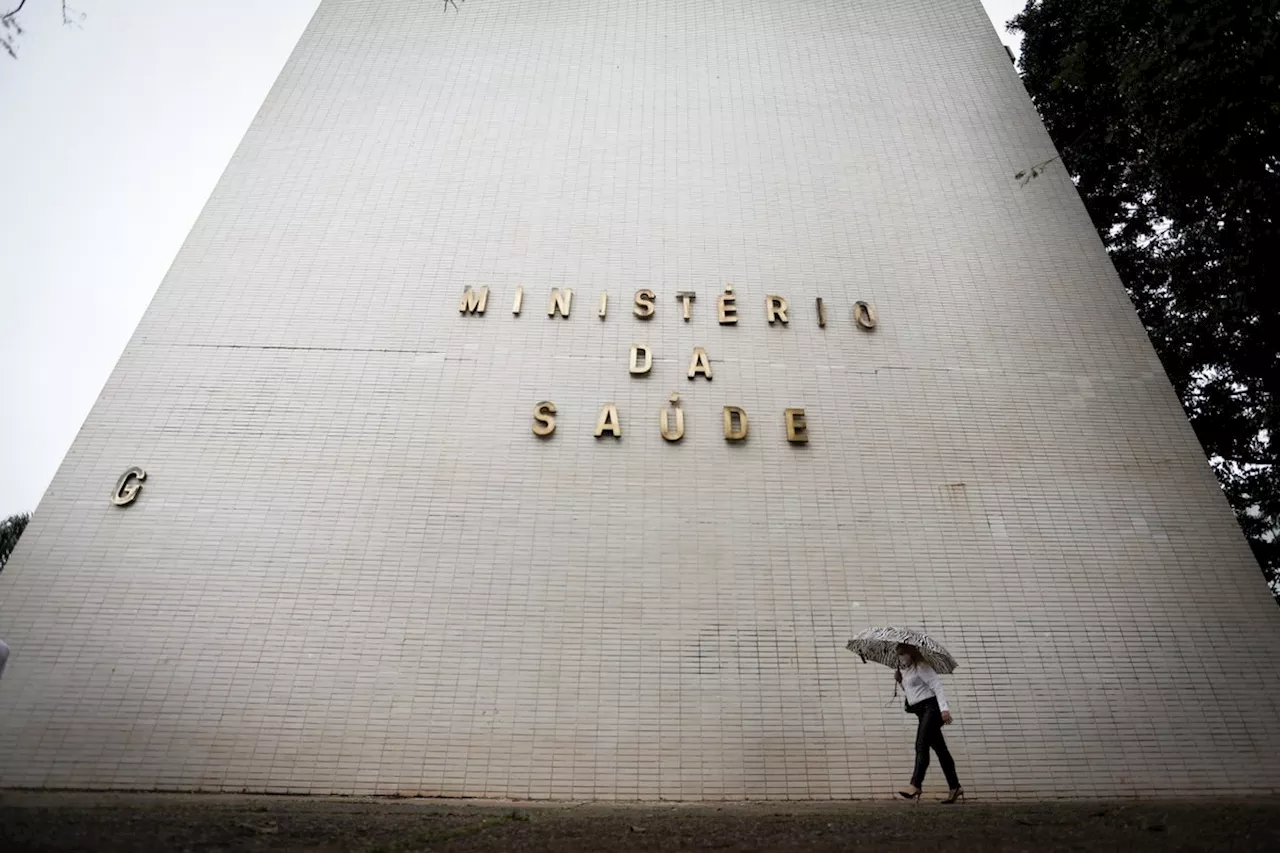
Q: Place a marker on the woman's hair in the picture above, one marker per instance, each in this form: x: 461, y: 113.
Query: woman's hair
x: 910, y: 651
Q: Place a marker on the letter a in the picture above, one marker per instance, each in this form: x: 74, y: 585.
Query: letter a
x: 700, y: 364
x: 609, y: 421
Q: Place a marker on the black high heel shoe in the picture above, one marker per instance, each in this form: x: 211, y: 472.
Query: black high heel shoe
x: 956, y: 794
x: 907, y: 795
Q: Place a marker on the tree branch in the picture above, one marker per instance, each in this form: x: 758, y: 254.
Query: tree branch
x: 10, y: 29
x: 7, y: 15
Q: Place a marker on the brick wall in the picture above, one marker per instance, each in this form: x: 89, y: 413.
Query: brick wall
x: 354, y: 569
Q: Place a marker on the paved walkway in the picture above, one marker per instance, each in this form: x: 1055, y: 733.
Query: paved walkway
x: 156, y: 823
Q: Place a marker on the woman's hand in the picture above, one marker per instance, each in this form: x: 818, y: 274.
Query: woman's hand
x: 946, y: 717
x: 897, y: 675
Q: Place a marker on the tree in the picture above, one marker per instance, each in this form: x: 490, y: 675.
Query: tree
x: 1167, y: 116
x: 11, y: 25
x: 10, y: 532
x: 10, y: 29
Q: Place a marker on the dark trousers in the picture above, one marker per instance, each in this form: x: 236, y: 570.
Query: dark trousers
x: 929, y: 736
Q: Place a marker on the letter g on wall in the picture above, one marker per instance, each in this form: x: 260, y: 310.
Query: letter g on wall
x: 128, y: 486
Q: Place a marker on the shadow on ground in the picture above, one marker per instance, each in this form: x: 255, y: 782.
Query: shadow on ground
x: 161, y: 823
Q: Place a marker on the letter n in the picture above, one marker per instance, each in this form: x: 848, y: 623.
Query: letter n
x: 560, y: 302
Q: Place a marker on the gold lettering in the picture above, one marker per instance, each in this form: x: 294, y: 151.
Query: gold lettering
x: 609, y: 421
x: 515, y: 306
x: 544, y: 419
x: 864, y: 315
x: 734, y: 415
x: 641, y: 360
x: 604, y: 304
x: 664, y: 422
x: 700, y: 363
x: 775, y: 309
x: 728, y: 304
x: 822, y: 314
x: 687, y: 297
x: 797, y: 428
x: 474, y: 301
x: 128, y: 486
x: 560, y: 302
x: 644, y: 304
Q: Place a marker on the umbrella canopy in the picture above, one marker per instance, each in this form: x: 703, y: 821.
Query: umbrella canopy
x: 881, y: 646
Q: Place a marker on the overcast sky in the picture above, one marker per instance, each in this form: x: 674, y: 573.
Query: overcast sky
x: 112, y: 135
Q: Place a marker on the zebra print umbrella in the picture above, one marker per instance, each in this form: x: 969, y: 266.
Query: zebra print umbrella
x: 881, y: 646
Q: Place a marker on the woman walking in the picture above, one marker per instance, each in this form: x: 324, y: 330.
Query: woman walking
x: 926, y: 700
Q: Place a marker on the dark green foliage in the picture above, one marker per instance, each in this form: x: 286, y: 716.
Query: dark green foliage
x: 10, y: 532
x: 1167, y: 114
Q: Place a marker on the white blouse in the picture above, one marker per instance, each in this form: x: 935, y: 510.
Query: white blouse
x: 920, y: 682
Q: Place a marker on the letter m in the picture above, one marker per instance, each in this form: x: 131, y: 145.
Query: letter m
x: 474, y: 301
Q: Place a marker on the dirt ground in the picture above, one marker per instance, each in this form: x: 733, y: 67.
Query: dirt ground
x: 164, y: 823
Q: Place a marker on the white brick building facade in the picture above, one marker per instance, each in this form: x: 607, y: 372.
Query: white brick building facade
x: 353, y: 568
